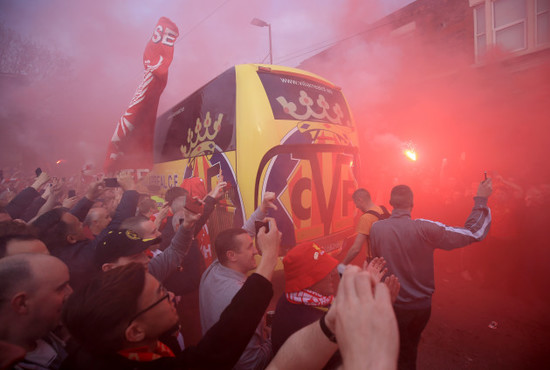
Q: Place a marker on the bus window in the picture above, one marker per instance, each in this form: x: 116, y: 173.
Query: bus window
x: 199, y: 124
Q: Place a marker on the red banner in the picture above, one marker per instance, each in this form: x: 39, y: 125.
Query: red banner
x: 131, y: 146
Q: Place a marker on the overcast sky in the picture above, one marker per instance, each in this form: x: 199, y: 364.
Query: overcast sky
x: 106, y: 38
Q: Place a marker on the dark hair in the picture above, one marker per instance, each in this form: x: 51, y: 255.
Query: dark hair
x: 16, y: 228
x: 401, y: 197
x: 146, y: 204
x: 173, y: 193
x: 134, y: 224
x: 361, y: 193
x: 97, y: 315
x: 52, y: 230
x: 225, y: 241
x: 4, y: 240
x: 13, y: 230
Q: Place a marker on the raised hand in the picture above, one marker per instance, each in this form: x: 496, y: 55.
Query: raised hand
x: 376, y: 268
x: 393, y: 284
x: 268, y: 202
x: 364, y: 323
x: 218, y: 190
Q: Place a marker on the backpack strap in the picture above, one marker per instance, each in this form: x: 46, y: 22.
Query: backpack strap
x: 374, y: 213
x: 382, y: 216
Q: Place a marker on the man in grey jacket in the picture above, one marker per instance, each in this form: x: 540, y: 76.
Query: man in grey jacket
x: 222, y: 280
x: 408, y: 246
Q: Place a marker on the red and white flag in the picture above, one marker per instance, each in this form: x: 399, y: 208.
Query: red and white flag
x: 131, y: 146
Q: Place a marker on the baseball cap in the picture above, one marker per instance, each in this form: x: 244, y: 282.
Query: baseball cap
x: 305, y: 265
x: 121, y: 243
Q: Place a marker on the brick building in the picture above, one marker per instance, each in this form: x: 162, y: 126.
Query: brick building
x: 468, y: 81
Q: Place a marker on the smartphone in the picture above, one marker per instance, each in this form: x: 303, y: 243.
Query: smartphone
x: 72, y: 193
x: 259, y: 224
x: 111, y: 182
x: 38, y: 171
x: 194, y: 205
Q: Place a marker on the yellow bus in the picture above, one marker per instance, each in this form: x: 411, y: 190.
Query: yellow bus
x: 266, y: 128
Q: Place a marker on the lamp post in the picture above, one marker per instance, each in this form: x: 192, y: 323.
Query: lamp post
x: 260, y: 23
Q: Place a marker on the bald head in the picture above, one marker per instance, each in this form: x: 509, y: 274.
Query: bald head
x: 33, y: 289
x: 25, y: 272
x: 15, y: 272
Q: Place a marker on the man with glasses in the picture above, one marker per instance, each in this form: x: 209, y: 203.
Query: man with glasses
x: 119, y: 317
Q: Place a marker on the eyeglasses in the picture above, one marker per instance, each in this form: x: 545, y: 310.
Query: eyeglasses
x: 166, y: 296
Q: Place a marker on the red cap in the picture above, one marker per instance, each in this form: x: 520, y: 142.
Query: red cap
x: 305, y: 265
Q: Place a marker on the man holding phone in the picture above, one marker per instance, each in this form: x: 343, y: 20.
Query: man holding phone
x: 236, y: 253
x: 408, y: 247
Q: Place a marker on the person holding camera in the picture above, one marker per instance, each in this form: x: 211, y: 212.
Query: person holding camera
x: 236, y: 253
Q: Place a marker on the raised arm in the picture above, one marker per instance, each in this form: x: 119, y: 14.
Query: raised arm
x: 365, y: 325
x: 210, y: 201
x: 24, y: 198
x: 167, y: 262
x: 125, y: 209
x: 354, y: 250
x: 260, y: 213
x: 223, y: 343
x: 308, y: 348
x: 475, y: 228
x: 48, y: 200
x: 80, y: 210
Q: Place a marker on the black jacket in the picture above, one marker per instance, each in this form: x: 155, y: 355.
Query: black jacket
x: 16, y: 208
x: 220, y: 348
x: 80, y: 256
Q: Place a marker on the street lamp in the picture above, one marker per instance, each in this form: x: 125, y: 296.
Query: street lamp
x: 260, y: 23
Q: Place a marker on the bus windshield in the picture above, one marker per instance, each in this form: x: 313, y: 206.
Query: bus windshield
x: 295, y: 97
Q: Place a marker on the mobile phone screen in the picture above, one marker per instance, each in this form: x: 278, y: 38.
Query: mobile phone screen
x: 259, y: 224
x: 111, y: 182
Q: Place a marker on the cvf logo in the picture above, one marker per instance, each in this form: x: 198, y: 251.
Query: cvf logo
x: 320, y: 189
x: 165, y: 35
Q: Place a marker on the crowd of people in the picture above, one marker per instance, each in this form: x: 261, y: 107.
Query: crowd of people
x: 98, y: 280
x: 82, y: 285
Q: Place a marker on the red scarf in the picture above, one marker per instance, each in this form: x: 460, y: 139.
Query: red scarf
x: 309, y: 298
x: 143, y: 354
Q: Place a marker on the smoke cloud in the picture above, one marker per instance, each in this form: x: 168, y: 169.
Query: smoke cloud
x: 72, y: 114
